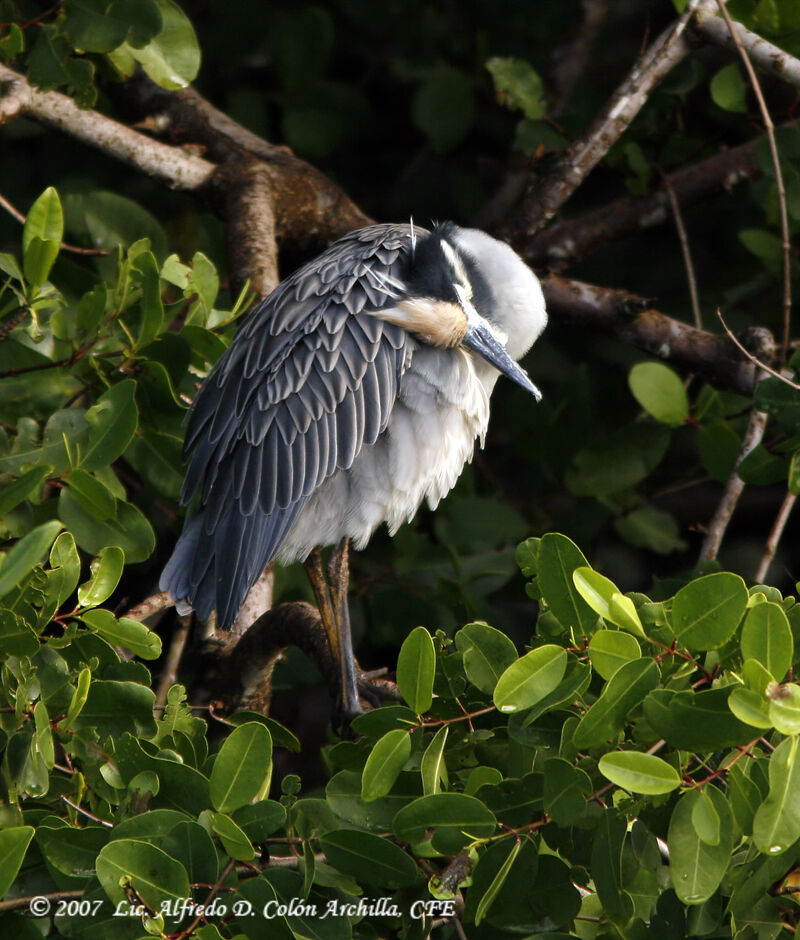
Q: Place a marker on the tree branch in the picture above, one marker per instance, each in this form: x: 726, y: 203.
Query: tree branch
x: 569, y: 241
x: 171, y: 165
x: 768, y: 57
x: 551, y: 190
x: 630, y: 318
x: 572, y: 57
x: 309, y: 208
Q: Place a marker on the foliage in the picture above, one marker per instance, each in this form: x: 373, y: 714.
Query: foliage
x: 626, y: 765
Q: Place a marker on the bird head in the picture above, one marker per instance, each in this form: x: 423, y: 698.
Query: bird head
x: 465, y: 288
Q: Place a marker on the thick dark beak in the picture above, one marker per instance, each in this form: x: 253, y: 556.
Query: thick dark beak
x: 482, y: 340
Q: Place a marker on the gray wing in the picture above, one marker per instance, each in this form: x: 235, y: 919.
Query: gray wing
x: 309, y: 379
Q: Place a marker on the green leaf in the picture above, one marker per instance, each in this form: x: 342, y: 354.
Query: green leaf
x: 130, y: 634
x: 106, y: 570
x: 705, y: 818
x: 660, y: 391
x: 651, y: 528
x: 497, y: 882
x: 767, y: 638
x: 14, y: 844
x: 129, y: 529
x: 78, y: 699
x: 606, y: 599
x: 93, y: 496
x: 696, y: 867
x: 776, y: 824
x: 486, y: 652
x: 784, y: 707
x: 706, y: 613
x: 112, y: 424
x: 155, y: 876
x: 728, y: 89
x: 260, y: 819
x: 92, y: 27
x: 530, y: 678
x: 565, y: 791
x: 17, y: 638
x: 639, y: 773
x: 384, y: 764
x: 416, y: 667
x: 518, y: 86
x: 749, y: 707
x: 622, y: 693
x: 369, y: 858
x: 243, y: 767
x: 610, y: 649
x: 114, y: 707
x: 42, y: 235
x: 27, y: 553
x: 171, y: 58
x: 457, y: 818
x: 29, y: 484
x: 233, y: 839
x: 558, y: 558
x: 433, y: 767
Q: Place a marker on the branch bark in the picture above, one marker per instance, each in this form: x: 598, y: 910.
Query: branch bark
x: 550, y: 191
x: 566, y: 242
x: 631, y: 318
x: 769, y: 58
x: 172, y: 165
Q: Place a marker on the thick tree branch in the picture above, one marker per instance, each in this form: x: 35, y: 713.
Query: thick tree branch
x: 551, y: 190
x: 171, y: 165
x: 566, y: 242
x: 309, y: 208
x: 768, y: 57
x: 630, y: 318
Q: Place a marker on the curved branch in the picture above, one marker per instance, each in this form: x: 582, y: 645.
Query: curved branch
x: 630, y: 318
x: 172, y: 165
x: 569, y: 241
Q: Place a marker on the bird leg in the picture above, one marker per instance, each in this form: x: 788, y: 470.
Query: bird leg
x: 331, y: 599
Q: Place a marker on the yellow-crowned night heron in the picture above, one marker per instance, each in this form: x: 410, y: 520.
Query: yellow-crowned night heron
x: 355, y: 390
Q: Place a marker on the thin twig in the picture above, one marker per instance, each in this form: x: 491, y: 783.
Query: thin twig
x: 211, y: 895
x: 572, y: 58
x: 733, y: 488
x: 776, y: 163
x: 757, y: 362
x: 86, y: 813
x: 64, y: 245
x: 685, y: 249
x: 176, y: 648
x: 775, y: 536
x: 14, y: 904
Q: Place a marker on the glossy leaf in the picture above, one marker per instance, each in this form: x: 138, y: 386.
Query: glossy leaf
x: 128, y: 529
x: 610, y: 649
x: 776, y: 824
x: 605, y: 599
x: 530, y: 678
x: 638, y: 772
x: 767, y: 638
x: 112, y: 424
x: 14, y: 843
x: 497, y: 882
x: 42, y: 235
x: 706, y: 613
x: 130, y: 634
x: 697, y: 867
x: 486, y: 652
x: 623, y: 691
x: 242, y: 768
x: 369, y: 858
x: 172, y: 57
x: 27, y: 552
x: 93, y: 496
x: 384, y: 764
x: 106, y: 570
x: 558, y: 558
x: 433, y: 767
x: 151, y: 872
x: 660, y: 391
x: 232, y: 837
x: 457, y: 818
x: 749, y: 707
x: 416, y: 668
x: 784, y: 707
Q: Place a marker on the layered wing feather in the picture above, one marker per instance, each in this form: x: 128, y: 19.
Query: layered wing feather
x: 310, y: 378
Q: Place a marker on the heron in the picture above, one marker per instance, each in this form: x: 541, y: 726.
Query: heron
x: 354, y: 391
